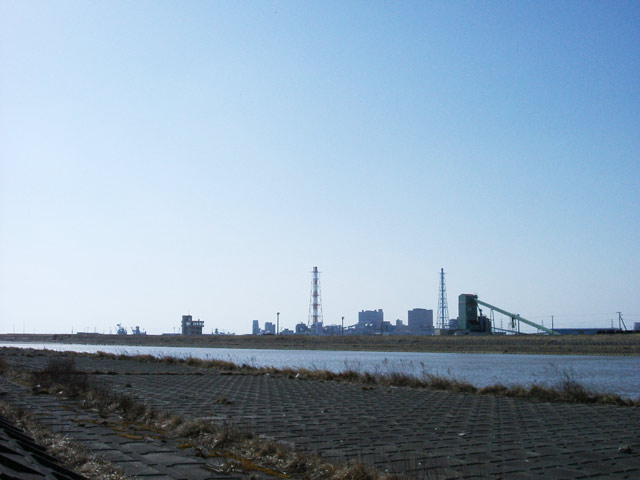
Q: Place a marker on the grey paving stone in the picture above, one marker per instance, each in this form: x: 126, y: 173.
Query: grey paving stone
x: 377, y: 424
x: 169, y: 460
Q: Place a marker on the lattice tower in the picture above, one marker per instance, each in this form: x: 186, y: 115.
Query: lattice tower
x: 443, y: 309
x: 315, y: 302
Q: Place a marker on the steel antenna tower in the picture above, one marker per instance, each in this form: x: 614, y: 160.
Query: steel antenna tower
x: 443, y: 309
x: 315, y: 303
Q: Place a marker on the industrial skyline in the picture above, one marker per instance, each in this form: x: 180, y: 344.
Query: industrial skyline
x: 159, y: 159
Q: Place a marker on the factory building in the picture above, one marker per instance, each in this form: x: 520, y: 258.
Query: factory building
x: 191, y: 326
x: 372, y: 318
x: 370, y: 322
x: 420, y: 321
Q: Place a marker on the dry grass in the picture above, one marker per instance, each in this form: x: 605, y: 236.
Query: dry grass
x: 568, y: 390
x: 248, y: 453
x: 244, y: 451
x: 70, y: 454
x: 628, y: 344
x: 60, y: 372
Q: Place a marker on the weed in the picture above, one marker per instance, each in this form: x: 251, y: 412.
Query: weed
x: 72, y: 455
x: 61, y: 372
x: 567, y: 390
x: 358, y: 472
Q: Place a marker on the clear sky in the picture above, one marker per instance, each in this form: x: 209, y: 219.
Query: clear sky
x: 160, y: 158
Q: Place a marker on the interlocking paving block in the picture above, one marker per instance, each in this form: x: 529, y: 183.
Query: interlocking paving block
x: 22, y: 458
x: 498, y: 434
x: 191, y: 472
x: 137, y: 468
x: 169, y: 459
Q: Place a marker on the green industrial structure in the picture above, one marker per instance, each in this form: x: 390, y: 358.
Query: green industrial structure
x: 470, y: 321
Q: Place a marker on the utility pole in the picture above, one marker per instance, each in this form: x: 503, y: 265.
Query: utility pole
x: 552, y: 323
x: 621, y: 321
x: 342, y: 330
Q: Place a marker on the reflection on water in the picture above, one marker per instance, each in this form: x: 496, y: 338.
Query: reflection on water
x: 609, y: 374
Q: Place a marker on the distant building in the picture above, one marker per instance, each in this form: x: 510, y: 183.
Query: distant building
x: 317, y: 328
x: 302, y: 328
x: 370, y: 321
x: 256, y: 328
x: 269, y: 328
x: 190, y: 326
x: 331, y: 330
x: 400, y: 328
x: 420, y: 321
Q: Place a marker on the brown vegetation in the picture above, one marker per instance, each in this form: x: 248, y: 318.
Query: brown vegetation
x: 567, y: 390
x: 243, y: 451
x: 612, y: 344
x: 60, y: 372
x: 71, y: 454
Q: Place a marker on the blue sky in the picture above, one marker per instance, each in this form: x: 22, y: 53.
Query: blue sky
x: 163, y: 158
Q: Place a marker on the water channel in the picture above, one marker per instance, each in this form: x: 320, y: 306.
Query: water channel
x: 611, y: 374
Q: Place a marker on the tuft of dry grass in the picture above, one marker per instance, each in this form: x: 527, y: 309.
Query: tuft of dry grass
x: 358, y: 472
x: 61, y: 372
x: 242, y: 448
x: 569, y: 390
x: 71, y: 455
x: 224, y: 401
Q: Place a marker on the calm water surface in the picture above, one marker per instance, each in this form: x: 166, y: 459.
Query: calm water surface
x: 619, y: 375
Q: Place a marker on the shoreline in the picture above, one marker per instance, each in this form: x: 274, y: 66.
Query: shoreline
x: 493, y: 436
x: 598, y: 345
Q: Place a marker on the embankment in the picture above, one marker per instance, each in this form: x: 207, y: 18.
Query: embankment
x: 611, y: 344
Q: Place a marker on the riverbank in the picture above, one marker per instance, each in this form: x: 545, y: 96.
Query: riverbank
x: 606, y: 345
x: 409, y: 431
